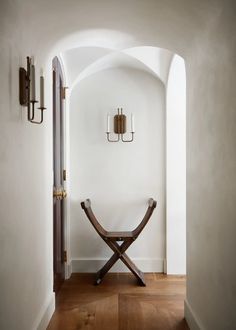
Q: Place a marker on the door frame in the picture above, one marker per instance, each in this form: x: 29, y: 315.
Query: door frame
x: 66, y: 137
x: 65, y: 272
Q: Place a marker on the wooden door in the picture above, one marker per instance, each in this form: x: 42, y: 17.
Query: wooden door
x: 58, y: 169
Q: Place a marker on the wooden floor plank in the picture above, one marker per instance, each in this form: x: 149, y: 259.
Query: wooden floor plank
x: 118, y: 303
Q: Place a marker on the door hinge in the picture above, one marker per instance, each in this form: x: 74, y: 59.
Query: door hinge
x: 63, y: 92
x: 64, y: 175
x: 65, y: 256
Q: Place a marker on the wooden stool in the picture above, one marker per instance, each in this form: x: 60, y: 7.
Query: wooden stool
x: 112, y: 237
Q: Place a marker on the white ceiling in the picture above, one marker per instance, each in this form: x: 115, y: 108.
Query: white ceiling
x: 81, y: 62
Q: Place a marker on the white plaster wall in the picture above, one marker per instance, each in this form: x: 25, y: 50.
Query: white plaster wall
x: 200, y: 31
x: 176, y: 168
x: 211, y: 173
x: 27, y: 298
x: 118, y: 177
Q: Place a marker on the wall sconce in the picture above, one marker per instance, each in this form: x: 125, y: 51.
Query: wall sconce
x: 27, y: 91
x: 120, y: 127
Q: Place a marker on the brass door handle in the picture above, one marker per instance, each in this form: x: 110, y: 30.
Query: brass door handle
x: 59, y: 194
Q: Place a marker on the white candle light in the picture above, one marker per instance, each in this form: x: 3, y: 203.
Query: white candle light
x: 41, y: 92
x: 108, y: 123
x: 132, y: 123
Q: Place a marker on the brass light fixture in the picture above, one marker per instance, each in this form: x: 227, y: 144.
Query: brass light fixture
x: 27, y: 91
x: 120, y: 127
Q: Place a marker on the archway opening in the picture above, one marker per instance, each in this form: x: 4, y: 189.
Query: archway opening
x: 85, y: 66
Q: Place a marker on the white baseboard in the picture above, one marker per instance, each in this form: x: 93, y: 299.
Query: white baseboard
x: 165, y: 266
x: 191, y: 318
x: 147, y: 265
x: 45, y: 313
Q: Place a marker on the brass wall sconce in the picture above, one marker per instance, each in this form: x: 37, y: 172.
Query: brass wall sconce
x: 27, y: 91
x: 120, y: 127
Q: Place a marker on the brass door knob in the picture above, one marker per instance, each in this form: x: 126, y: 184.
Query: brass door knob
x: 59, y: 194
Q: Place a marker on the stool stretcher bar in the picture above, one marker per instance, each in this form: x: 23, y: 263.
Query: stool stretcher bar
x: 111, y: 238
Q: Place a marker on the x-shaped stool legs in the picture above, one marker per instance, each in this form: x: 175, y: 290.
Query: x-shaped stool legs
x: 119, y: 253
x: 111, y: 239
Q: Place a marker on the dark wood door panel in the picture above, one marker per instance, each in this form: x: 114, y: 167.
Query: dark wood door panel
x: 58, y: 165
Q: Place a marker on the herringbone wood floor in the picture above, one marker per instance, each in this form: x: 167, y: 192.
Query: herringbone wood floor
x: 119, y: 304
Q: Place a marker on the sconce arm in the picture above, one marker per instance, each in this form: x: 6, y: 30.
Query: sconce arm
x: 108, y: 137
x: 41, y: 120
x: 132, y: 138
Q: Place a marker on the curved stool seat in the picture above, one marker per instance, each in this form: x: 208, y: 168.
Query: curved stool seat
x: 111, y: 238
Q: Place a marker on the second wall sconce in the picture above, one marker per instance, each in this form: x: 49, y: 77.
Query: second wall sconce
x: 120, y: 127
x: 27, y: 91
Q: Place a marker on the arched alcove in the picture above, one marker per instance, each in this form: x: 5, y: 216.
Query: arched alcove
x: 82, y: 64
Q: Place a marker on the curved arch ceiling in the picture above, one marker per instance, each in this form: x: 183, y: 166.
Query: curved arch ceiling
x: 81, y: 62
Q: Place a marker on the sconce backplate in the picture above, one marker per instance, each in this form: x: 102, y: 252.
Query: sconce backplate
x: 120, y: 124
x: 24, y: 90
